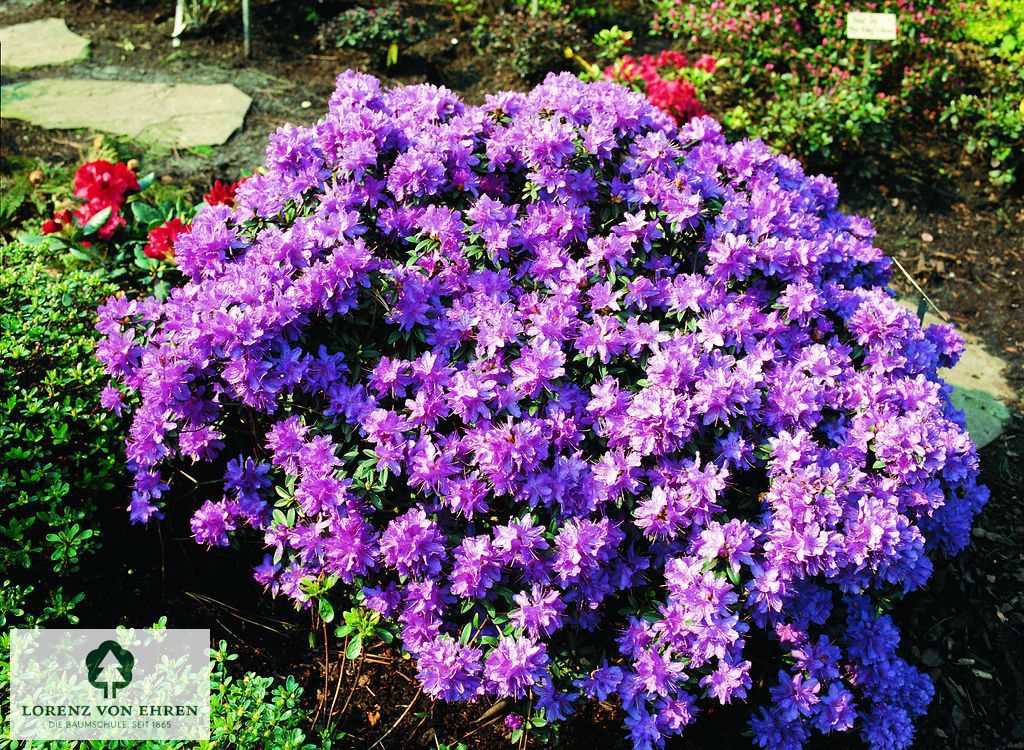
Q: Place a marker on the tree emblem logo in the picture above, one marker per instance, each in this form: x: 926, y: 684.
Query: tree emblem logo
x: 110, y: 668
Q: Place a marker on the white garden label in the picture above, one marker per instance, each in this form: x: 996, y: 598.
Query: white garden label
x: 110, y: 684
x: 874, y: 26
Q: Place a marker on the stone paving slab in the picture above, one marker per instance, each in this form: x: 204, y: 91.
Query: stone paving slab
x: 48, y: 41
x: 980, y: 388
x: 182, y: 114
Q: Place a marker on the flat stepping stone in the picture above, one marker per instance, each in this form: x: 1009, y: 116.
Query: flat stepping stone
x: 183, y: 114
x: 45, y: 42
x: 980, y: 389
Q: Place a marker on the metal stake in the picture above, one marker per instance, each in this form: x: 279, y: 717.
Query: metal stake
x: 179, y: 23
x: 246, y: 39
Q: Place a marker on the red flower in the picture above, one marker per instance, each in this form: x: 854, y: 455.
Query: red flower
x: 162, y: 239
x: 661, y: 78
x: 60, y: 220
x: 706, y: 62
x: 104, y: 182
x: 222, y: 193
x: 103, y: 185
x: 115, y: 221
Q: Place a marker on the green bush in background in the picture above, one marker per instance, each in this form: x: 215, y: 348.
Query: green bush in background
x: 996, y: 25
x: 58, y: 448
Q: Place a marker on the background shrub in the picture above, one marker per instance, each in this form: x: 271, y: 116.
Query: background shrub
x: 60, y: 452
x: 792, y: 77
x: 382, y: 31
x: 529, y: 45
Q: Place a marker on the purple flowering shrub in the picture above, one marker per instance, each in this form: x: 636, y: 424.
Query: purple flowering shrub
x: 588, y: 404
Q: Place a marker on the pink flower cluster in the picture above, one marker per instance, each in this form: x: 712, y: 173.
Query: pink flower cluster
x: 663, y: 79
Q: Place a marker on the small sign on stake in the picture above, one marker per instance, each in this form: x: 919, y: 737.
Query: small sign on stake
x: 879, y: 27
x: 872, y: 27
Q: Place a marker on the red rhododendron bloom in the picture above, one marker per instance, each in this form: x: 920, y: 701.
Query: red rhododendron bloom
x: 222, y: 193
x: 662, y: 78
x: 162, y: 239
x: 85, y: 212
x: 60, y: 220
x: 104, y: 182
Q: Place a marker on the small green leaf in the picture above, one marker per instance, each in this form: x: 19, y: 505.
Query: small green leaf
x: 97, y: 221
x: 355, y: 648
x: 145, y: 214
x: 326, y: 610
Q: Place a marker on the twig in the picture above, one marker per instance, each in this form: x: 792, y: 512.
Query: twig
x: 341, y: 675
x: 239, y: 614
x: 524, y: 737
x: 355, y: 684
x: 327, y: 670
x: 466, y: 736
x: 400, y: 719
x: 920, y: 290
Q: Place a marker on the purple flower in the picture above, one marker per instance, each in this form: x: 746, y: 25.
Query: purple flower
x: 537, y: 612
x: 212, y: 523
x: 514, y: 665
x: 523, y: 375
x: 412, y: 545
x: 449, y: 670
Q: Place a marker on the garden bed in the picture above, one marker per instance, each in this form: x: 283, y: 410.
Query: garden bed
x: 934, y: 211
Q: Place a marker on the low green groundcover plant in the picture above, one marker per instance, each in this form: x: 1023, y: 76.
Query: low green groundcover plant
x: 60, y: 452
x: 579, y: 403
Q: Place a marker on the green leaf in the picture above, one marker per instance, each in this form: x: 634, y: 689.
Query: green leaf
x: 734, y: 574
x: 145, y: 214
x: 80, y: 253
x: 96, y: 222
x: 145, y: 182
x: 355, y: 648
x: 326, y: 610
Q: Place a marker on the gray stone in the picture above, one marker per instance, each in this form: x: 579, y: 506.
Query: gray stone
x: 160, y: 113
x: 980, y: 388
x: 986, y: 417
x: 45, y: 42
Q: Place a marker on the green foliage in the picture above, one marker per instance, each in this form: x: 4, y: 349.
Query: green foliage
x: 380, y: 30
x: 612, y: 43
x: 465, y: 7
x: 361, y: 626
x: 574, y: 10
x: 253, y: 713
x: 991, y: 121
x: 809, y: 122
x: 529, y: 45
x: 797, y: 81
x: 27, y: 191
x: 997, y: 25
x: 199, y: 13
x: 58, y: 448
